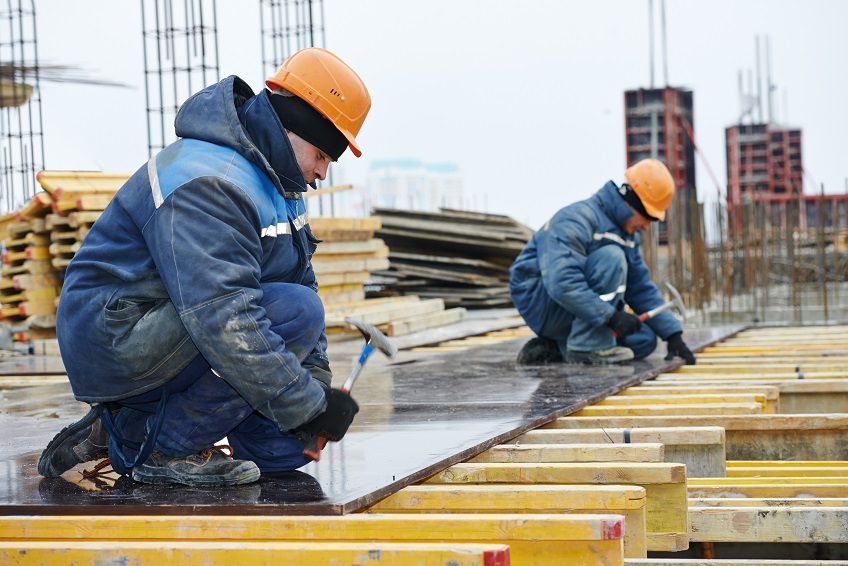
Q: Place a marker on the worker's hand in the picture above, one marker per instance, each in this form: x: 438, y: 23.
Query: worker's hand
x: 624, y: 323
x: 677, y: 347
x: 333, y: 423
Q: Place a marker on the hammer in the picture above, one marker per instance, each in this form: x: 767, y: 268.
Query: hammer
x: 676, y: 302
x: 373, y: 339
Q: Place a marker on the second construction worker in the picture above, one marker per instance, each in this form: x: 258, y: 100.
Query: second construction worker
x: 575, y: 276
x: 190, y: 312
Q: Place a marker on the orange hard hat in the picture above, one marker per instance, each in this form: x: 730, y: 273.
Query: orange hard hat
x: 330, y: 86
x: 653, y: 184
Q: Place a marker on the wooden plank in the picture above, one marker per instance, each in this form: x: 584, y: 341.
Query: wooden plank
x: 317, y: 224
x: 665, y: 409
x: 769, y: 502
x: 534, y: 539
x: 356, y: 247
x: 764, y: 437
x: 767, y: 395
x: 628, y: 501
x: 769, y: 524
x: 738, y: 491
x: 552, y: 453
x: 425, y: 321
x: 665, y: 487
x: 190, y: 553
x: 700, y: 449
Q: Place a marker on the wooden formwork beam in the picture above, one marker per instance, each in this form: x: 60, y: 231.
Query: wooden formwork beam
x: 628, y: 501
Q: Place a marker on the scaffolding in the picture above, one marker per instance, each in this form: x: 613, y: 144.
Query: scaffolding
x: 180, y: 58
x: 22, y: 146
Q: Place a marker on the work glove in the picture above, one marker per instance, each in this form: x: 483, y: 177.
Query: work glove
x: 677, y: 347
x: 624, y: 324
x: 333, y: 423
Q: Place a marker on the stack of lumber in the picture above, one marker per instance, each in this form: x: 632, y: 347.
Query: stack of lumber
x: 39, y: 241
x: 344, y: 262
x: 461, y: 257
x: 28, y: 284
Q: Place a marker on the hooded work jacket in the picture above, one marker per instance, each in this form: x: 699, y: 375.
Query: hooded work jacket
x: 553, y: 262
x: 173, y: 267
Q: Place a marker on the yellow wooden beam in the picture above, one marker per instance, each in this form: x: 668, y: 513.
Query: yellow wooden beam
x: 768, y: 502
x: 665, y: 486
x: 534, y: 539
x: 190, y: 553
x: 649, y: 452
x: 769, y: 524
x: 628, y: 501
x: 768, y: 490
x: 672, y: 410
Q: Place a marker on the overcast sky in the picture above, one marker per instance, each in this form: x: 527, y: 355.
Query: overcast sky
x: 526, y: 97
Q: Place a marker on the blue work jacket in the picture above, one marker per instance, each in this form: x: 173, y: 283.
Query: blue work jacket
x: 553, y: 262
x: 173, y: 267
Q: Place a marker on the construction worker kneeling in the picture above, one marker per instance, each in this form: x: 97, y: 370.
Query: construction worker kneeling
x: 191, y: 313
x: 572, y: 280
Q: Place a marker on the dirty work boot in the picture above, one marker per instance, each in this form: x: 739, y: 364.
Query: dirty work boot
x: 205, y: 469
x: 83, y: 441
x: 613, y: 355
x: 539, y: 351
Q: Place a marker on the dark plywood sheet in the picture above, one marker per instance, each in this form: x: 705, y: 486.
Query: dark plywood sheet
x: 416, y: 419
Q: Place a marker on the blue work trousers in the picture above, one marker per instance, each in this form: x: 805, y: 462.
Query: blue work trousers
x: 606, y: 273
x: 200, y: 408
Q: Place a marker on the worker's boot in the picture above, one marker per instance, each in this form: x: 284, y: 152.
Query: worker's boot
x: 614, y: 355
x: 539, y: 351
x: 205, y: 469
x: 83, y: 441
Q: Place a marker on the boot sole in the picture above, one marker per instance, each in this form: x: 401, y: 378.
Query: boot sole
x: 73, y: 428
x: 247, y: 476
x: 596, y: 362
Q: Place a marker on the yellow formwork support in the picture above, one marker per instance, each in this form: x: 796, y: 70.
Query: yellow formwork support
x: 665, y: 486
x: 534, y: 539
x: 628, y: 501
x: 745, y: 366
x: 769, y: 524
x: 786, y: 480
x: 744, y: 377
x: 767, y: 395
x: 701, y: 449
x: 663, y: 409
x: 756, y: 468
x: 140, y: 553
x: 768, y: 490
x: 541, y: 453
x: 768, y: 502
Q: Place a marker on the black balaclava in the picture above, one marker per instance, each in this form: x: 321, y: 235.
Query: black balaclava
x: 303, y: 120
x: 631, y: 198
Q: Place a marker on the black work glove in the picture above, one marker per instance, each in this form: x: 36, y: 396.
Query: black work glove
x: 333, y: 423
x: 624, y: 323
x: 677, y: 347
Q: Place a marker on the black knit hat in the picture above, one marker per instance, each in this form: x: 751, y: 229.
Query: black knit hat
x: 303, y: 120
x: 631, y: 198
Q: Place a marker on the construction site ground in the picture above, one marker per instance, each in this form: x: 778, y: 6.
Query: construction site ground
x: 440, y: 412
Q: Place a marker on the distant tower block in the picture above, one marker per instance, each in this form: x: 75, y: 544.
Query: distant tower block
x: 287, y: 27
x: 21, y: 138
x: 656, y: 124
x: 180, y: 58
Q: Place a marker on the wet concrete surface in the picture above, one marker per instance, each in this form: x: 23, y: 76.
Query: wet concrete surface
x: 418, y: 415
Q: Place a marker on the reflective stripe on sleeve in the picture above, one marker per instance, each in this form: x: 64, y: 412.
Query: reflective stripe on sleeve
x: 607, y: 297
x: 615, y: 238
x: 153, y: 179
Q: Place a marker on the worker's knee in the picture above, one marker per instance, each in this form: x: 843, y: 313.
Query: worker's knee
x: 606, y: 268
x: 296, y: 314
x: 643, y: 343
